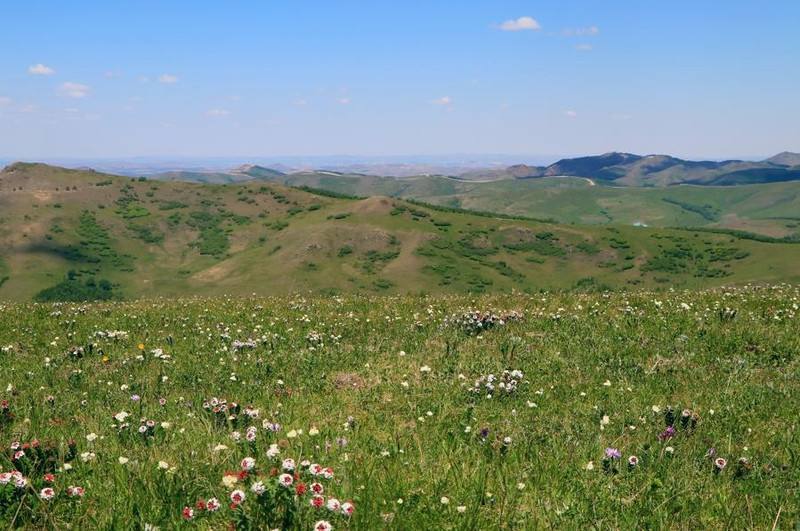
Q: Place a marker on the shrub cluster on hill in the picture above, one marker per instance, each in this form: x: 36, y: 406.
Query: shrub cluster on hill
x: 72, y: 289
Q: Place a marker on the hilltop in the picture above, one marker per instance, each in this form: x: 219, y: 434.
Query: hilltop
x: 68, y: 230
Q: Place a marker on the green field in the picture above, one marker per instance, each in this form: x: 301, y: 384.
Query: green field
x: 392, y: 394
x: 77, y: 235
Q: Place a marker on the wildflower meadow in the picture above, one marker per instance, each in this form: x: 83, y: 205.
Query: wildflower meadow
x: 519, y: 411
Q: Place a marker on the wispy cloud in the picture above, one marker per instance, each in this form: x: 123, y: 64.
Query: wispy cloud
x: 584, y: 47
x: 5, y: 101
x: 444, y: 100
x: 570, y: 114
x: 218, y: 113
x: 168, y: 79
x: 74, y: 90
x: 344, y: 101
x: 40, y: 70
x: 520, y: 24
x: 300, y: 102
x: 581, y: 32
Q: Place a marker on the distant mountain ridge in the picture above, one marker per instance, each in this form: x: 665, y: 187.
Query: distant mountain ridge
x: 613, y: 169
x: 628, y: 169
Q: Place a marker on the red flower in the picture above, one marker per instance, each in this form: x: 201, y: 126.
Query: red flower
x: 49, y: 478
x: 187, y: 513
x: 200, y: 505
x: 300, y: 489
x: 317, y: 501
x: 243, y: 474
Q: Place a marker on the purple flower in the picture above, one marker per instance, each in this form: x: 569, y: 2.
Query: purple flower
x: 484, y: 432
x: 613, y: 453
x: 135, y: 398
x: 667, y: 434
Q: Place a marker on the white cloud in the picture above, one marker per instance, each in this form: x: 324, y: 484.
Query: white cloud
x: 168, y: 79
x: 520, y: 24
x: 583, y: 47
x: 218, y: 112
x: 74, y: 90
x: 5, y: 100
x: 570, y: 114
x: 40, y: 70
x: 300, y: 102
x: 581, y: 32
x: 344, y: 101
x: 444, y: 100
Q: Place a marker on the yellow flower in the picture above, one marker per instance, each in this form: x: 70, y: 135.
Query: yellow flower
x: 141, y: 346
x: 105, y: 359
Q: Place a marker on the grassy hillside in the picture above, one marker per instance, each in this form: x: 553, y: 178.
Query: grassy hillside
x: 68, y: 233
x: 771, y: 209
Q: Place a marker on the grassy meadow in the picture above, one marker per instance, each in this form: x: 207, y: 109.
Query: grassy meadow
x: 669, y: 410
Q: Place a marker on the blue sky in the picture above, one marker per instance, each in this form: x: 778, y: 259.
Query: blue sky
x: 266, y: 78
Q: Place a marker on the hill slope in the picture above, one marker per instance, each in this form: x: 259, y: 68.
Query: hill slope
x: 70, y: 230
x: 770, y: 209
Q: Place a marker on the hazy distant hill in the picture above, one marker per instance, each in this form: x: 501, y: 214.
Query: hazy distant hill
x: 258, y: 172
x: 70, y: 233
x: 248, y: 172
x: 627, y: 169
x: 785, y: 159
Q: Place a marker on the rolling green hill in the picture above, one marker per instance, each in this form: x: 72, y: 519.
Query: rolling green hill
x: 82, y: 234
x: 615, y: 188
x: 771, y: 209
